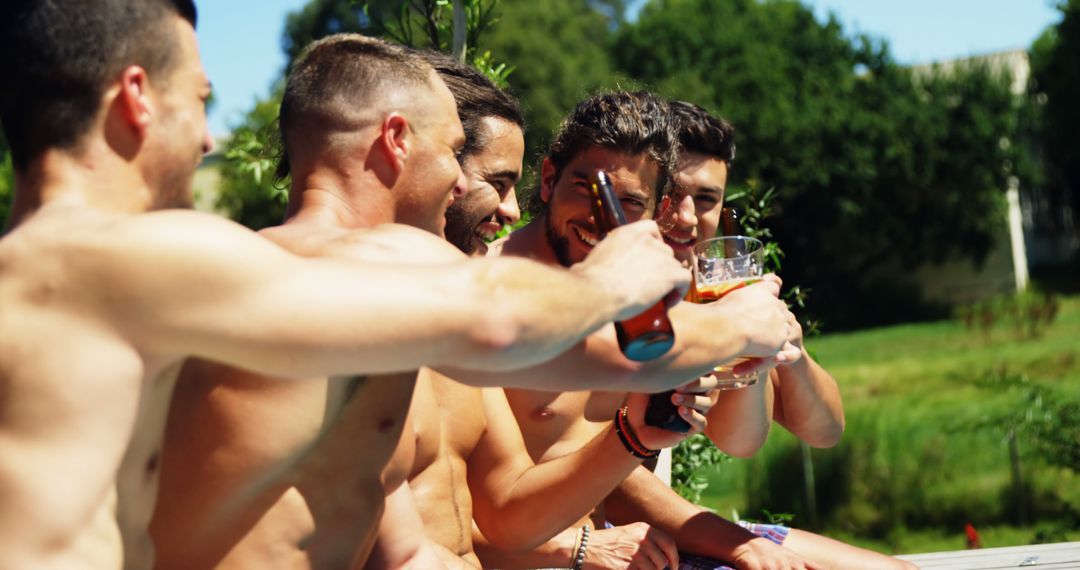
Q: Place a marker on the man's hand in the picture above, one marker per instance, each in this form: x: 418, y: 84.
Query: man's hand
x: 693, y: 407
x: 793, y: 350
x: 636, y: 546
x: 636, y: 268
x: 764, y: 318
x: 707, y: 386
x: 763, y: 554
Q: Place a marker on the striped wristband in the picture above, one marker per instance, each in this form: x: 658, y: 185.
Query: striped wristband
x: 629, y: 439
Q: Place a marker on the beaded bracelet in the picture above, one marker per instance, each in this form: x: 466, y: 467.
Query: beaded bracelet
x: 579, y: 557
x: 629, y: 439
x: 574, y: 547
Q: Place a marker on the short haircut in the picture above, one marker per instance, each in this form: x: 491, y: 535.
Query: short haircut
x: 477, y: 98
x: 57, y: 57
x: 703, y: 133
x: 631, y: 123
x: 336, y: 79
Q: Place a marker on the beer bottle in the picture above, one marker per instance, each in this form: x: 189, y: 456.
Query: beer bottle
x: 649, y: 335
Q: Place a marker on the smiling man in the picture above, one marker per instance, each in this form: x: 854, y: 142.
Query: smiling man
x: 468, y: 460
x: 799, y: 395
x: 630, y: 136
x: 491, y: 158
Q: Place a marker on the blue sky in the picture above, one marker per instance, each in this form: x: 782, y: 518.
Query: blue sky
x: 241, y: 39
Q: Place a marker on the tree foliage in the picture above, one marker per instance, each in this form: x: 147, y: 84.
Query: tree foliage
x: 1055, y: 89
x: 877, y: 166
x: 559, y: 49
x: 249, y: 192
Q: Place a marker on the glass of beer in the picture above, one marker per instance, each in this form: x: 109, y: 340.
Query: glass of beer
x: 723, y: 265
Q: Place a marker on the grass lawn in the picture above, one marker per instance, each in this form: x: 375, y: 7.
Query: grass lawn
x: 926, y: 446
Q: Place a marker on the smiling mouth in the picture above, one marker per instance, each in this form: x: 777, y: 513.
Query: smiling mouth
x: 487, y: 231
x: 588, y: 238
x: 689, y: 240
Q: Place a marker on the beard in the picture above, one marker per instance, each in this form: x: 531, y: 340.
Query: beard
x: 560, y: 245
x: 461, y: 228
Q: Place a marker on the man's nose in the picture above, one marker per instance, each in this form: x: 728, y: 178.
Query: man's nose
x: 461, y: 185
x: 508, y: 208
x: 685, y: 213
x: 208, y: 143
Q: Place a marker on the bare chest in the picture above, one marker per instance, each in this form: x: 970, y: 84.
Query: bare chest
x: 554, y: 424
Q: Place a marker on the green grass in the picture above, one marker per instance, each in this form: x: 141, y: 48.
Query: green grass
x: 925, y: 449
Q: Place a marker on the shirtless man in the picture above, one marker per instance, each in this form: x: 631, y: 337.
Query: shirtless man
x: 370, y: 135
x: 657, y: 519
x: 102, y: 299
x: 467, y: 435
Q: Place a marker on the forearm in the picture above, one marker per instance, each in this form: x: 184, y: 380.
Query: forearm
x: 703, y: 339
x: 492, y: 314
x: 547, y: 498
x: 642, y: 497
x: 557, y: 552
x: 739, y: 422
x: 809, y: 403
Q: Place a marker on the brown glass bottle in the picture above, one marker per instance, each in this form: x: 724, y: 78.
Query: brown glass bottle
x: 647, y: 336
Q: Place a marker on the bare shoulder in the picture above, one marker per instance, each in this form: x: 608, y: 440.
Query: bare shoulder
x: 81, y: 257
x: 395, y: 243
x: 84, y: 239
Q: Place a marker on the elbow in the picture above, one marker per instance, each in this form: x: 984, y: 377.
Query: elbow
x: 821, y: 434
x: 492, y: 341
x: 740, y: 445
x: 513, y: 537
x: 828, y: 437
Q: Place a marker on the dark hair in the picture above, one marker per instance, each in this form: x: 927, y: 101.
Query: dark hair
x: 702, y: 132
x: 632, y: 123
x: 337, y: 76
x: 476, y: 96
x: 57, y: 57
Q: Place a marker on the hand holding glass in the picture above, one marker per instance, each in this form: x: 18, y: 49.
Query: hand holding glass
x: 723, y: 265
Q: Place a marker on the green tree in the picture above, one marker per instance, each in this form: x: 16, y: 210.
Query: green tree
x: 249, y: 191
x: 1055, y: 88
x: 876, y: 166
x: 559, y: 49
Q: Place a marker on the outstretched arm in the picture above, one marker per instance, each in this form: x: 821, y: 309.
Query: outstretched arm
x: 749, y: 322
x: 185, y: 283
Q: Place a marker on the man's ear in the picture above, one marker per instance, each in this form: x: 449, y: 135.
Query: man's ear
x: 393, y: 141
x: 547, y: 180
x: 134, y: 100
